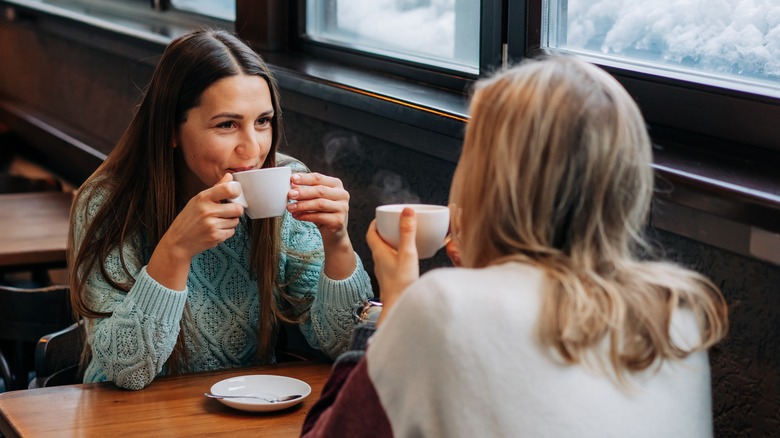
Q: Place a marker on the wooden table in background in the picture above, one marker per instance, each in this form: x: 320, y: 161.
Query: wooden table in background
x: 170, y: 406
x: 34, y: 229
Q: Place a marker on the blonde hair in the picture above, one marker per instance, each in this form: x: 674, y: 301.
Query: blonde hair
x: 556, y: 172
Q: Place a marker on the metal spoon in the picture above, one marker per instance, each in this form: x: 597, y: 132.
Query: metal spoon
x: 267, y: 399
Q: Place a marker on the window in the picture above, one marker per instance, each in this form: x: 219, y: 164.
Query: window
x: 222, y: 9
x: 441, y: 33
x: 733, y: 40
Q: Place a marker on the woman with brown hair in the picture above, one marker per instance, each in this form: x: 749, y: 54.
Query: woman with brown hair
x: 553, y: 325
x: 171, y: 278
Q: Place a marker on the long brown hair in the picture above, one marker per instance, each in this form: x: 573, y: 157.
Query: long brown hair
x: 560, y: 153
x: 141, y: 194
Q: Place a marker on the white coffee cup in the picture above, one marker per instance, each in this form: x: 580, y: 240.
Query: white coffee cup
x: 263, y: 191
x: 433, y: 222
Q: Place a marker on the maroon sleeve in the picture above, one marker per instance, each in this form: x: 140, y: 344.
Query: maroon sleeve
x: 349, y: 405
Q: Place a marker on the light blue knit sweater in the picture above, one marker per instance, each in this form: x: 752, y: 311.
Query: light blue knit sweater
x: 131, y: 346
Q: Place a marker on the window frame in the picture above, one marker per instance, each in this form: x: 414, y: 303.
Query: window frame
x: 721, y: 115
x: 490, y: 51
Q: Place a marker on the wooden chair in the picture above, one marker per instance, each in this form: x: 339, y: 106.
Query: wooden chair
x: 57, y: 357
x: 26, y: 315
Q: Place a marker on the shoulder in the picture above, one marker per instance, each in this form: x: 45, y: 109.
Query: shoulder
x: 459, y: 297
x: 91, y: 196
x: 470, y: 286
x: 452, y: 304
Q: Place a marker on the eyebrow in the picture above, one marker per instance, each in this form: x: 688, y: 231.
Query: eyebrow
x: 268, y: 113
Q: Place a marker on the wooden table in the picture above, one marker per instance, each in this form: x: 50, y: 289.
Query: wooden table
x: 170, y: 406
x: 33, y: 229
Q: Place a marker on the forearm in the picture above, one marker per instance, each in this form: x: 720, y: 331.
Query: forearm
x: 309, y: 278
x: 330, y: 323
x: 340, y: 259
x: 131, y: 346
x: 169, y: 266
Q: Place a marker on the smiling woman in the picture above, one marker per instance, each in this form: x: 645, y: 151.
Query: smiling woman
x: 169, y: 276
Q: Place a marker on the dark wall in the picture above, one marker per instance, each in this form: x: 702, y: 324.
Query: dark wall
x: 746, y: 366
x: 91, y: 93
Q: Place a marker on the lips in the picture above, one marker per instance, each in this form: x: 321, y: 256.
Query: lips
x: 239, y: 169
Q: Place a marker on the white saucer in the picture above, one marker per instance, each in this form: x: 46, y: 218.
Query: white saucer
x: 261, y: 385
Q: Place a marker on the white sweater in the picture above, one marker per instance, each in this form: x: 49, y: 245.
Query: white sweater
x: 457, y: 357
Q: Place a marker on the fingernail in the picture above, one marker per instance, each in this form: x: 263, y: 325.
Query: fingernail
x: 294, y: 193
x: 296, y: 177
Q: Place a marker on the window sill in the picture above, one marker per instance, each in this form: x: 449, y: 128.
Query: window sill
x: 692, y: 174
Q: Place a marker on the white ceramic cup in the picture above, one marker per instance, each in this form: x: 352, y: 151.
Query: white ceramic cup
x: 433, y: 222
x: 263, y: 191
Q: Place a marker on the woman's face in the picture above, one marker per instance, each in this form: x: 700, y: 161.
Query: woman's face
x: 229, y: 131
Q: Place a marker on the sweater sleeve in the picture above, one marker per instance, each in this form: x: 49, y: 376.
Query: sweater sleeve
x: 329, y: 324
x: 130, y: 346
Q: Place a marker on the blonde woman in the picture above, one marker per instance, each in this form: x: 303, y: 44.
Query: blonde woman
x: 553, y: 326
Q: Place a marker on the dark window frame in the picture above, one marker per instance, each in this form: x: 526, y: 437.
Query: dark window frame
x: 490, y: 48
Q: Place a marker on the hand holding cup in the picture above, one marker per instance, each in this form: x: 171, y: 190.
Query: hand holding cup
x: 263, y: 191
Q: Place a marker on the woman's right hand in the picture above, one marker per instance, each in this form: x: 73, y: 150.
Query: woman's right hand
x: 395, y: 269
x: 203, y: 223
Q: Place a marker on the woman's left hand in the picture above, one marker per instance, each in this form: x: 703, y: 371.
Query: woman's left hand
x: 323, y: 201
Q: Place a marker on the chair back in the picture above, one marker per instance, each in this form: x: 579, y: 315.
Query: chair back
x: 28, y: 314
x: 57, y: 357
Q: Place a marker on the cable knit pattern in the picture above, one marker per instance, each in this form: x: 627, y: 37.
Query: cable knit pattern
x: 131, y: 346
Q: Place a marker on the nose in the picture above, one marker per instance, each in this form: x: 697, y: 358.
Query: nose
x: 248, y: 143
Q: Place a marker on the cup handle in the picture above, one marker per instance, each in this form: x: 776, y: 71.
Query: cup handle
x: 240, y: 199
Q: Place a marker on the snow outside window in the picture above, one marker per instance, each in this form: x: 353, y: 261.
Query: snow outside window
x: 738, y: 40
x: 224, y: 9
x: 440, y: 33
